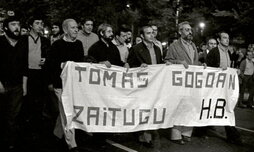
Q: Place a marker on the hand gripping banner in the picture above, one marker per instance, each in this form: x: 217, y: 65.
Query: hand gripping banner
x: 100, y: 99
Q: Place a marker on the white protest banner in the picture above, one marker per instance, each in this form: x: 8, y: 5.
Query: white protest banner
x: 100, y: 99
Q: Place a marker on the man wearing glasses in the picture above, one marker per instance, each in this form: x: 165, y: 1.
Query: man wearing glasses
x: 183, y: 51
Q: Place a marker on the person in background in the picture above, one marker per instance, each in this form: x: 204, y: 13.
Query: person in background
x: 24, y: 30
x: 157, y: 42
x: 86, y: 36
x: 119, y: 41
x: 128, y: 41
x: 211, y: 43
x: 56, y: 32
x: 138, y: 40
x: 246, y: 75
x: 13, y: 80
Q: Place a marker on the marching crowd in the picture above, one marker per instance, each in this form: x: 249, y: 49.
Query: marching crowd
x: 31, y: 65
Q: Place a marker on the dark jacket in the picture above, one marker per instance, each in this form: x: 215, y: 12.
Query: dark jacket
x: 213, y: 58
x: 140, y: 54
x: 101, y: 52
x: 61, y: 52
x: 13, y: 62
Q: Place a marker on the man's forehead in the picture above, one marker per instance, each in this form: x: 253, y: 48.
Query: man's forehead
x: 154, y: 27
x: 148, y: 29
x: 109, y: 28
x: 14, y: 22
x: 88, y: 22
x: 123, y: 33
x: 36, y: 21
x: 72, y: 23
x: 186, y: 26
x: 224, y: 35
x: 212, y: 41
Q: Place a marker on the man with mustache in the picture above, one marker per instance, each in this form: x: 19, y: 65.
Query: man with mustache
x: 13, y: 79
x: 183, y: 51
x: 104, y: 51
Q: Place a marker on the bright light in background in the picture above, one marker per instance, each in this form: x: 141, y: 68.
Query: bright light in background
x: 128, y: 5
x: 46, y: 31
x: 164, y: 43
x: 202, y: 25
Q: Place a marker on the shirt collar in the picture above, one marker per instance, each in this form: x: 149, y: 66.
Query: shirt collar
x: 148, y: 45
x: 67, y: 39
x: 224, y: 49
x: 186, y: 42
x: 11, y: 41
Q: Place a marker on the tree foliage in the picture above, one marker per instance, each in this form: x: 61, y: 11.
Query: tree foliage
x: 236, y: 17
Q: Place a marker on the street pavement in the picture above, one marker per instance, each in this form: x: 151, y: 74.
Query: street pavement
x: 36, y: 136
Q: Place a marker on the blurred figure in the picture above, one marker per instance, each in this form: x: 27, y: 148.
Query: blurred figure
x: 128, y: 41
x: 138, y: 40
x: 56, y: 32
x: 246, y: 74
x: 156, y: 42
x: 24, y: 30
x: 211, y: 43
x: 251, y: 47
x: 86, y: 36
x: 119, y: 41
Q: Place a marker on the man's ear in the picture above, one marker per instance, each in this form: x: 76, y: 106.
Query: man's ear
x: 101, y: 33
x: 142, y: 36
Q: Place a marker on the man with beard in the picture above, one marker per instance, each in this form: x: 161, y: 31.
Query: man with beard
x: 128, y: 40
x: 183, y: 51
x: 86, y: 36
x: 219, y: 57
x: 104, y: 51
x: 13, y: 78
x: 56, y: 32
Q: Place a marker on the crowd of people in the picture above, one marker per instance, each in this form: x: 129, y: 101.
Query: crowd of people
x: 31, y: 65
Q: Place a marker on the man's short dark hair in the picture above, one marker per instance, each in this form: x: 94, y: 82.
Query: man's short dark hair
x: 118, y: 32
x: 218, y: 35
x: 143, y: 28
x: 10, y: 19
x: 83, y: 21
x: 33, y: 18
